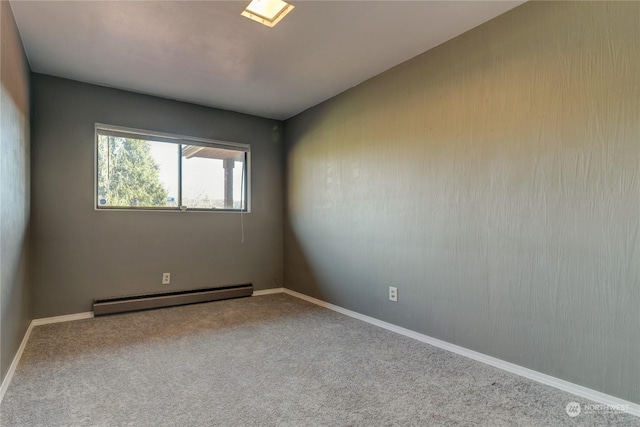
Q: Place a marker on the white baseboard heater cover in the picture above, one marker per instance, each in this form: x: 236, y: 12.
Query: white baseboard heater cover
x: 168, y: 299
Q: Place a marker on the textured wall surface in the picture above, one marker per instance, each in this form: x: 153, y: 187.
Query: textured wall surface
x: 80, y: 254
x: 495, y: 181
x: 14, y: 190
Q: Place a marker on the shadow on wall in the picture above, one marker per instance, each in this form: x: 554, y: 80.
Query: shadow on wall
x: 301, y: 279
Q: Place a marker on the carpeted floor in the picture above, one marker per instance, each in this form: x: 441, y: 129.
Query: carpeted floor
x: 264, y: 361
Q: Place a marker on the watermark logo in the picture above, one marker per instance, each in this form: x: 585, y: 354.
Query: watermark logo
x: 573, y: 409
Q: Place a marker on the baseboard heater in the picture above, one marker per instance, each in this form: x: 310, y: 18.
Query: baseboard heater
x: 168, y: 299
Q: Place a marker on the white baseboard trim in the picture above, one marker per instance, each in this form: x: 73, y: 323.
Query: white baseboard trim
x: 65, y: 318
x: 23, y: 344
x: 268, y: 292
x: 578, y: 390
x: 14, y: 363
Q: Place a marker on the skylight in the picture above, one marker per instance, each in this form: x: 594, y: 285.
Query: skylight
x: 267, y: 12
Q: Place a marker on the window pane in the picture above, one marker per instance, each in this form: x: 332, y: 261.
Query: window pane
x: 239, y: 185
x: 139, y: 170
x: 137, y: 173
x: 212, y: 178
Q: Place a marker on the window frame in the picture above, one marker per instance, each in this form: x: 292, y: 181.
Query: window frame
x: 177, y: 139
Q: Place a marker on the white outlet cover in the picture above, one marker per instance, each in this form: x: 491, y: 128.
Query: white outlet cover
x: 393, y: 294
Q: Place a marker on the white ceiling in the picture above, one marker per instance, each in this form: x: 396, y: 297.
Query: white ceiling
x: 204, y: 52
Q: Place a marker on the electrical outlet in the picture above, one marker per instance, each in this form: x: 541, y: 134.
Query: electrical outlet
x: 166, y: 278
x: 393, y: 294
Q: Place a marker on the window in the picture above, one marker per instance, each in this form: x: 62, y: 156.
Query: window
x: 147, y: 170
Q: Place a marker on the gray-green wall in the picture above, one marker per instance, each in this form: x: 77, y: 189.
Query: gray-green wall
x: 14, y: 190
x: 495, y: 181
x: 80, y: 254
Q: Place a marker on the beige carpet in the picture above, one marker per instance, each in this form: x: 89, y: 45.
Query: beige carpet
x: 264, y: 361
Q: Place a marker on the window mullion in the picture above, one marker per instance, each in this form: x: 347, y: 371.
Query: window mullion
x: 179, y: 176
